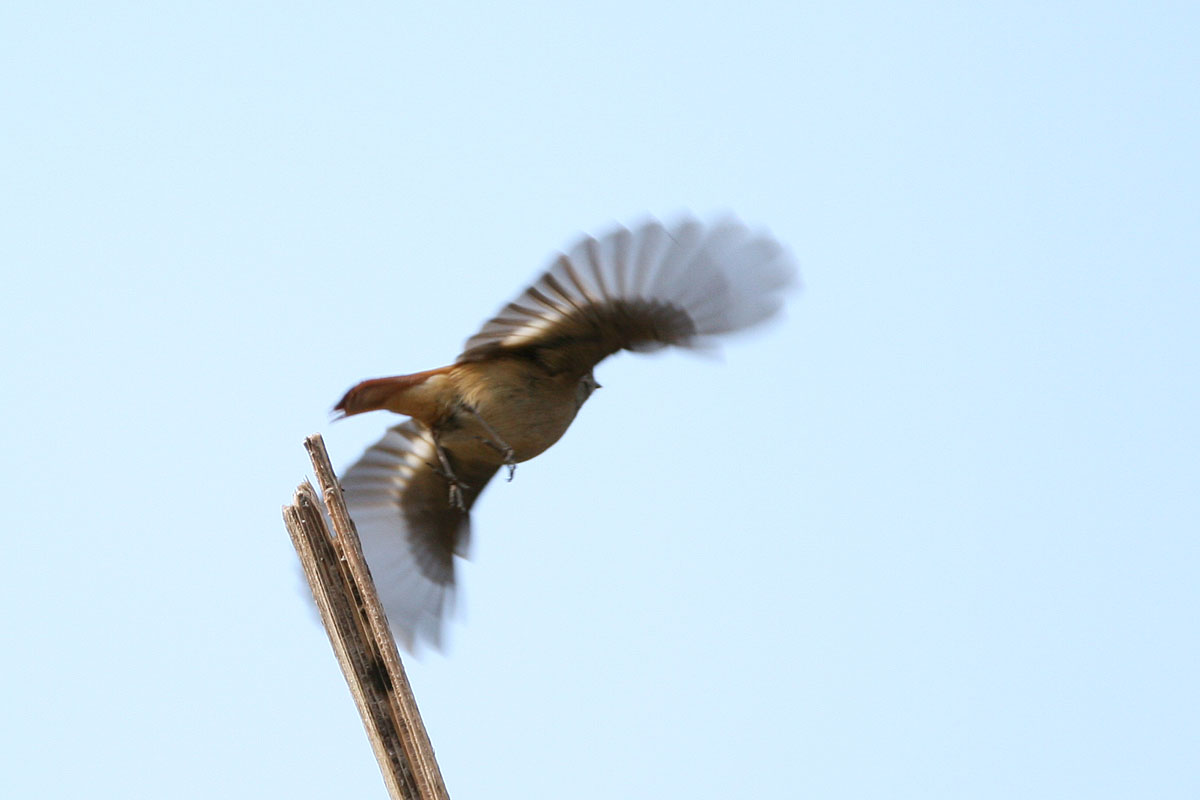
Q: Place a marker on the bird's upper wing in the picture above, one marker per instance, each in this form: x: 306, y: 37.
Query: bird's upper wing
x: 641, y: 290
x: 410, y: 532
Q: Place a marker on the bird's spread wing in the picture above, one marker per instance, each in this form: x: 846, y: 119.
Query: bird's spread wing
x: 410, y: 532
x: 641, y: 290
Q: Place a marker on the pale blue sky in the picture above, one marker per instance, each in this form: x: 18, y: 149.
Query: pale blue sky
x: 934, y: 535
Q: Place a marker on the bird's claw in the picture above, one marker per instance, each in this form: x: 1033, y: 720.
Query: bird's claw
x: 510, y: 460
x: 456, y: 497
x: 510, y: 455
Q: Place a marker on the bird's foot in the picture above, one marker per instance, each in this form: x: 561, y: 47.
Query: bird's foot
x: 446, y: 471
x: 494, y: 441
x: 456, y: 497
x: 456, y: 486
x: 509, y: 455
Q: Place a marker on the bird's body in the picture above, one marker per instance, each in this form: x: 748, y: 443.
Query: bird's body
x: 525, y: 406
x: 520, y: 382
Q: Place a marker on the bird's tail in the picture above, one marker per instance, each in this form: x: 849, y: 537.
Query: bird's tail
x: 394, y: 394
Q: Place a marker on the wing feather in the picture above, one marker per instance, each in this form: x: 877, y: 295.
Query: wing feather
x: 640, y: 290
x: 410, y: 533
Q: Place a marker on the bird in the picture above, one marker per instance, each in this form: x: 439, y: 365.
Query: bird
x: 520, y: 381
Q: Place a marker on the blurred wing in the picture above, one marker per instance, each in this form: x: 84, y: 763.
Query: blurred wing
x: 641, y: 290
x: 410, y: 533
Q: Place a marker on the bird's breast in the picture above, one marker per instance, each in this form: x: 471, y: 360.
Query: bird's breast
x: 525, y: 406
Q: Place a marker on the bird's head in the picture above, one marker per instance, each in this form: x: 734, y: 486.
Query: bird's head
x: 587, y: 385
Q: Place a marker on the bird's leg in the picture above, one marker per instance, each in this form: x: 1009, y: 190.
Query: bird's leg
x: 495, y: 442
x: 456, y: 486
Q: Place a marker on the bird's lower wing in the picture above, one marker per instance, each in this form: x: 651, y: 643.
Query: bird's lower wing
x: 409, y: 530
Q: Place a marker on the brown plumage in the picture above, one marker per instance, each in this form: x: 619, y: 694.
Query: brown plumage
x: 519, y: 382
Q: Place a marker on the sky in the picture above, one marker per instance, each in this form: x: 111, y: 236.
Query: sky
x: 931, y: 535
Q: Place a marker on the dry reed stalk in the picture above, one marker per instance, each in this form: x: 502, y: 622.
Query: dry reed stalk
x: 358, y: 630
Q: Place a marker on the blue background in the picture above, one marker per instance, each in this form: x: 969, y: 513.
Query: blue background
x: 932, y: 535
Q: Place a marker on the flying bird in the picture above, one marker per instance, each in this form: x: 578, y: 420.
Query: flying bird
x: 519, y: 382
